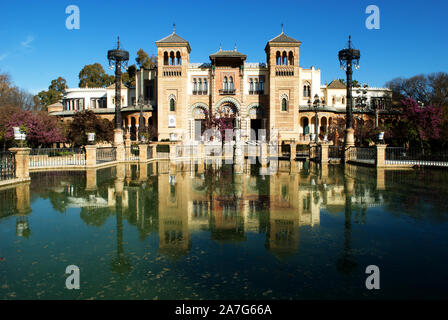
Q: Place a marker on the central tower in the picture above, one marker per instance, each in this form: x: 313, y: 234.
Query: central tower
x: 173, y: 57
x: 282, y: 56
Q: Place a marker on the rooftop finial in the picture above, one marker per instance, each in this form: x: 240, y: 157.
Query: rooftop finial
x: 234, y: 49
x: 118, y: 42
x: 220, y: 47
x: 349, y: 41
x: 282, y: 27
x: 174, y: 28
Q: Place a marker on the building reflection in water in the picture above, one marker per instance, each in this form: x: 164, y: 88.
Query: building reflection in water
x: 175, y: 200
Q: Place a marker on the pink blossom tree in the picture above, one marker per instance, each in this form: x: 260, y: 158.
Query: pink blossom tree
x: 40, y: 128
x: 422, y: 123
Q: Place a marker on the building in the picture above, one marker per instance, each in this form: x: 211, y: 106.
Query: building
x: 177, y: 95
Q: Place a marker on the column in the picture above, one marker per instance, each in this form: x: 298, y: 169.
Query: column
x: 91, y: 179
x: 292, y: 151
x: 127, y: 146
x: 380, y: 159
x: 23, y: 198
x: 380, y: 179
x: 143, y: 152
x: 90, y: 155
x: 324, y: 153
x: 22, y: 158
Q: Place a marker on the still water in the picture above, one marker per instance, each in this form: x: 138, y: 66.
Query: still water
x: 209, y: 231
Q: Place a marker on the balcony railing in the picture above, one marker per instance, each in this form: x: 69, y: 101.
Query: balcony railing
x: 284, y: 71
x: 172, y: 71
x: 53, y: 157
x: 200, y: 92
x: 227, y: 91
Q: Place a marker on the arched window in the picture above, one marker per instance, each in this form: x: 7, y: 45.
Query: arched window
x: 231, y: 83
x: 333, y: 100
x: 205, y: 86
x: 172, y: 105
x: 307, y: 90
x: 291, y: 58
x: 195, y: 86
x: 278, y: 58
x: 171, y: 58
x: 257, y: 88
x: 261, y: 85
x: 199, y: 84
x: 343, y: 100
x: 284, y: 104
x: 178, y: 59
x: 251, y: 86
x: 165, y: 58
x: 225, y: 85
x: 284, y: 59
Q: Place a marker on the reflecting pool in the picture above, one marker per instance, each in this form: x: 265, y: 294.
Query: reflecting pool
x: 211, y: 231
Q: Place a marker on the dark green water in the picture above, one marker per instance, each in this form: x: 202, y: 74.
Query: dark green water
x: 182, y: 232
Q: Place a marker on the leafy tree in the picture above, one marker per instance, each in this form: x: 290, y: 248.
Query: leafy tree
x: 14, y: 96
x: 144, y: 61
x: 355, y: 83
x: 336, y: 130
x: 431, y: 89
x: 86, y: 121
x: 150, y: 133
x: 128, y: 77
x: 59, y: 85
x: 93, y: 76
x: 54, y: 93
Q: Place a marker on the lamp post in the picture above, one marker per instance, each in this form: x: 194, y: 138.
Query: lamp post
x: 118, y: 58
x: 349, y: 59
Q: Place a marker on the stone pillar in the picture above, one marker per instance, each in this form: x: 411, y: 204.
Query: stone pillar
x: 380, y: 179
x: 293, y: 151
x: 121, y: 153
x: 142, y: 152
x: 201, y: 167
x: 23, y: 199
x: 127, y: 146
x: 143, y: 172
x: 324, y: 171
x: 118, y: 137
x: 380, y: 159
x: 22, y: 158
x: 349, y: 141
x: 324, y: 153
x: 154, y: 169
x: 90, y: 155
x: 119, y: 181
x: 91, y: 179
x: 173, y: 154
x: 264, y: 154
x: 201, y: 150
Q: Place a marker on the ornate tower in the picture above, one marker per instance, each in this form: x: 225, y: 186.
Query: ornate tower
x: 173, y: 57
x: 282, y: 55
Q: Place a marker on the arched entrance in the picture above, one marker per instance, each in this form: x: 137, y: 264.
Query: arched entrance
x: 256, y: 123
x: 305, y: 123
x: 199, y: 114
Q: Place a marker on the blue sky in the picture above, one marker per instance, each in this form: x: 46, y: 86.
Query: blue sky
x: 36, y: 47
